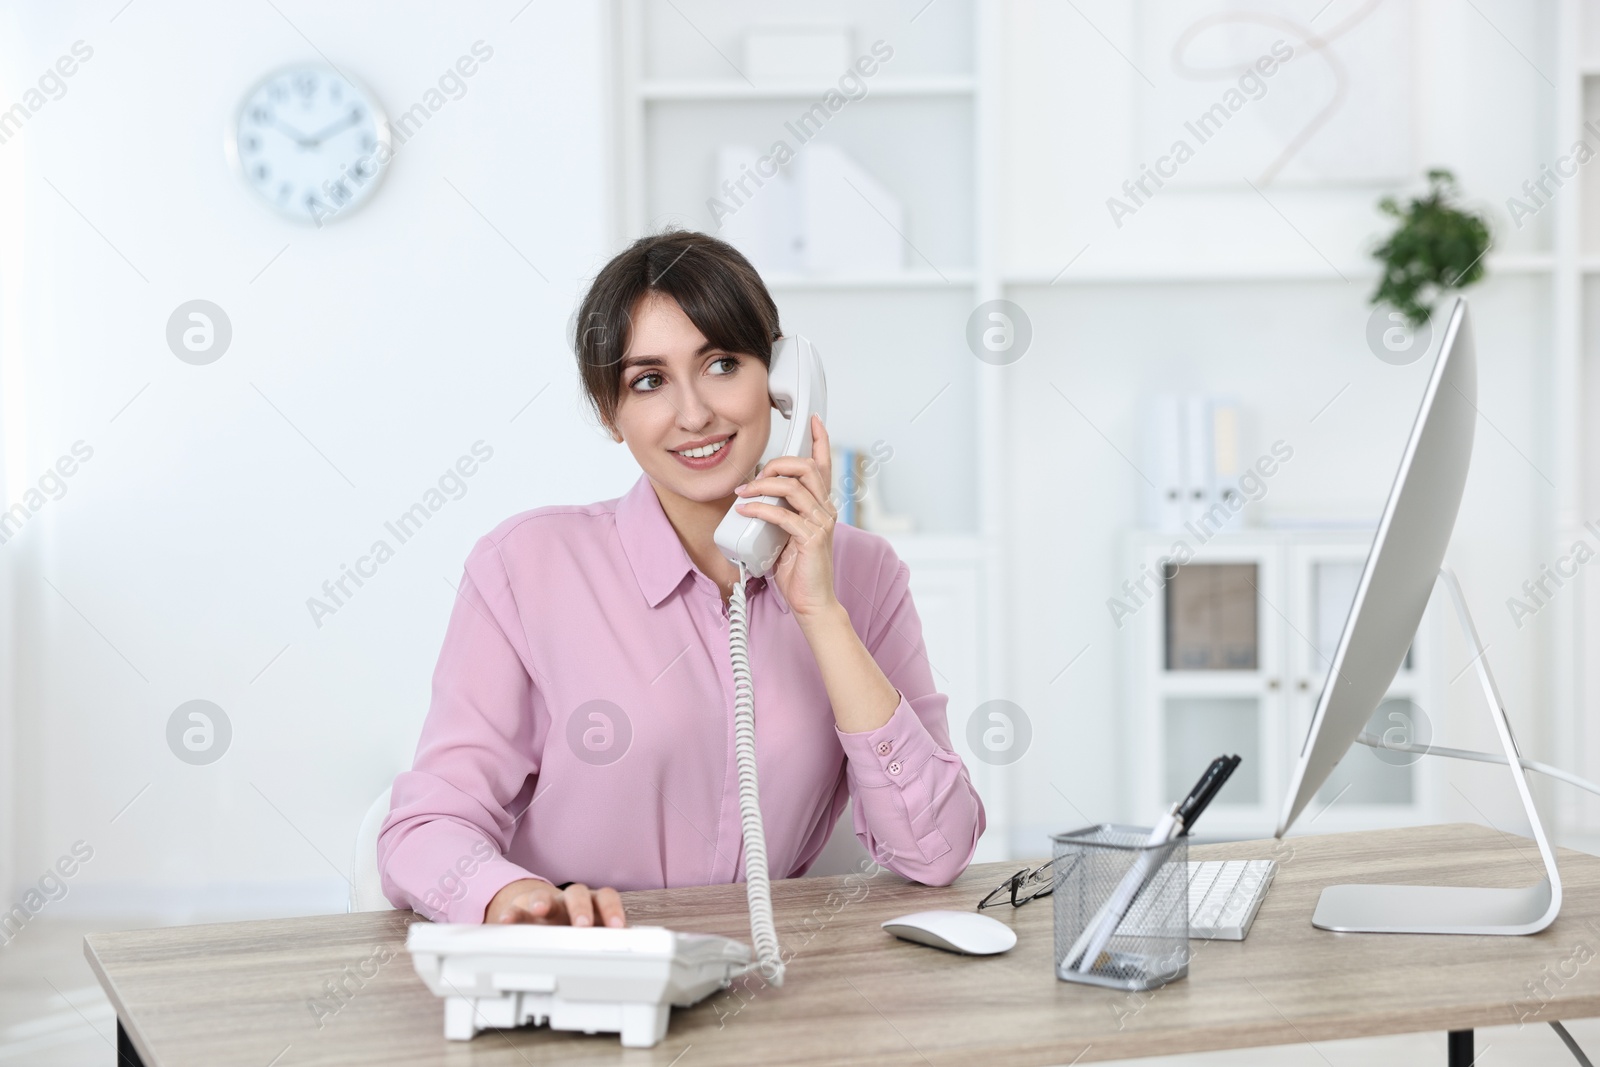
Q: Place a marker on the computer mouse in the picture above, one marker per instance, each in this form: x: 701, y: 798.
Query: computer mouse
x: 966, y: 932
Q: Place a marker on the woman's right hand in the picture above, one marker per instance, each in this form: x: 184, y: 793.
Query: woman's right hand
x: 534, y: 900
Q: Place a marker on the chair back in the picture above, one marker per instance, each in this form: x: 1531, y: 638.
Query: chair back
x: 366, y: 887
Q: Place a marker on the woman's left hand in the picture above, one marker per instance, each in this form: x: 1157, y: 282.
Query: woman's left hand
x: 804, y: 571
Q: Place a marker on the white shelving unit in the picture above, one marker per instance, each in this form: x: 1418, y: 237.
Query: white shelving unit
x: 1569, y: 266
x: 733, y: 89
x: 1495, y: 264
x: 682, y: 93
x: 1577, y: 48
x: 1575, y: 389
x: 1260, y: 703
x: 911, y: 279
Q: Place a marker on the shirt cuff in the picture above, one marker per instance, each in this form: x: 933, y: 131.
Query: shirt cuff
x: 490, y: 878
x: 894, y: 753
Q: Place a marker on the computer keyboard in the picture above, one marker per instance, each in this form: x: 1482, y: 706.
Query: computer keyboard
x: 1224, y: 896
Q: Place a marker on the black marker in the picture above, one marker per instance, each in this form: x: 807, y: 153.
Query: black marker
x: 1212, y: 788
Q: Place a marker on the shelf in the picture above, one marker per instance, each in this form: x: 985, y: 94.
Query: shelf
x: 1156, y: 273
x: 911, y: 279
x: 1527, y: 263
x: 1216, y: 682
x: 1589, y: 263
x: 729, y: 89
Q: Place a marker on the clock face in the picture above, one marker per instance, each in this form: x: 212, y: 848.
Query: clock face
x: 310, y: 143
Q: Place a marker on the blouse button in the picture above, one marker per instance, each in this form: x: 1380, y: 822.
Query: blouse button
x: 883, y: 748
x: 894, y: 768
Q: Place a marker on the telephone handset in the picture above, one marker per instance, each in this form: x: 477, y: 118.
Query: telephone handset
x: 798, y: 388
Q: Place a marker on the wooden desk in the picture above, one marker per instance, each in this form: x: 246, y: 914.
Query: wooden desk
x: 239, y: 993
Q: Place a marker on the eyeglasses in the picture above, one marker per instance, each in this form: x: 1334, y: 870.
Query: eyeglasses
x: 1021, y: 887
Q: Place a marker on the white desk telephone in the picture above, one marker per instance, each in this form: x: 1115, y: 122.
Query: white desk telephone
x: 626, y: 981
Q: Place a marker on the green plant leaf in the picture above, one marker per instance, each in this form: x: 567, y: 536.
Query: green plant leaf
x: 1436, y: 247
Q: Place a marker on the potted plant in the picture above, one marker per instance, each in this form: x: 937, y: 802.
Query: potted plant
x: 1437, y: 247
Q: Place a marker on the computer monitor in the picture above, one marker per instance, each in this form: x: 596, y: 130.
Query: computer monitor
x: 1401, y: 567
x: 1407, y: 557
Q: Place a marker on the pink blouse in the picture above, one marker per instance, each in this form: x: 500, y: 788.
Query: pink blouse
x: 581, y: 726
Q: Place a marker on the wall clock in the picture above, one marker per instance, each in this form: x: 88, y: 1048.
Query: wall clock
x: 309, y: 142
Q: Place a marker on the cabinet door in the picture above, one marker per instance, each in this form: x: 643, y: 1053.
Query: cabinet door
x: 1369, y: 786
x: 1206, y: 659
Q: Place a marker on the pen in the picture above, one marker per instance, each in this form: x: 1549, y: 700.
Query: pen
x: 1099, y: 930
x: 1219, y: 769
x: 1110, y: 916
x: 1164, y: 831
x: 1213, y: 787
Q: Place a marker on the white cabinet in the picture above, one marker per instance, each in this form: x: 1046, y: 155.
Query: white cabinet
x: 1228, y: 654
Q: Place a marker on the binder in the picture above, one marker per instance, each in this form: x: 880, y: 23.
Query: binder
x: 1199, y: 490
x: 1226, y: 455
x: 849, y: 221
x: 763, y: 224
x: 1164, y: 503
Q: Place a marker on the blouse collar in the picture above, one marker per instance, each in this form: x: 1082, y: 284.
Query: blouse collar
x: 655, y: 553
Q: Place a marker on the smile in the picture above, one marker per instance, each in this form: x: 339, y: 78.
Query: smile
x: 708, y: 450
x: 704, y: 457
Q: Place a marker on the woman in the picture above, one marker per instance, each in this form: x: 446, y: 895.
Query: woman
x: 581, y: 727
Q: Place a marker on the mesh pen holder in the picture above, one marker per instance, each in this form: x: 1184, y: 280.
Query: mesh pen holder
x: 1099, y: 867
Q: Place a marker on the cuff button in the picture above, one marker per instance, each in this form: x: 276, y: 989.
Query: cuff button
x: 883, y: 748
x: 894, y: 768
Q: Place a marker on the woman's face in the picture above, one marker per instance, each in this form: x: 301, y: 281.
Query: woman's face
x: 679, y: 394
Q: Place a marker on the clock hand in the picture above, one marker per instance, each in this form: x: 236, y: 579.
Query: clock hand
x: 299, y: 137
x: 321, y: 135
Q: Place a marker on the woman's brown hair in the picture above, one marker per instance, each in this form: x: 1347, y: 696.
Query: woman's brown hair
x: 712, y: 282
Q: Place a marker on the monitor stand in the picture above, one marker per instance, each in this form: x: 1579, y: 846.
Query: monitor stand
x: 1428, y: 909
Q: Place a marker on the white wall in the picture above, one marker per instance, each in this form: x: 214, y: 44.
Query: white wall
x: 178, y: 564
